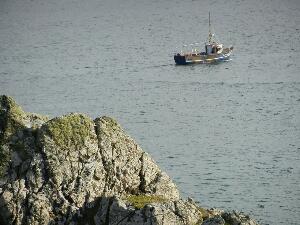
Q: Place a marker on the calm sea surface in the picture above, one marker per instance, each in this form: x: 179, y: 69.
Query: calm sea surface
x: 228, y: 134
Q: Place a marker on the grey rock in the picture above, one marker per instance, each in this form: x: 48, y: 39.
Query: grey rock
x: 130, y: 169
x: 237, y: 218
x: 71, y: 156
x: 231, y: 218
x: 217, y: 220
x: 116, y: 211
x: 73, y: 170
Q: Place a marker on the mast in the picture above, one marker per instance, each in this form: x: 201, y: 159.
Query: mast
x: 209, y: 31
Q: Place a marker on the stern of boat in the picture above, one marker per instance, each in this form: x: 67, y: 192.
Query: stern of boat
x: 180, y: 59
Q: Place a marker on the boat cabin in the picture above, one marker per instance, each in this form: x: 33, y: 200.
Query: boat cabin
x: 213, y: 48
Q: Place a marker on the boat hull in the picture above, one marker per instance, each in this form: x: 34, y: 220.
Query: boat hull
x: 203, y: 58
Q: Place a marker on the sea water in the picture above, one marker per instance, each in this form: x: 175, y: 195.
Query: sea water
x: 227, y: 134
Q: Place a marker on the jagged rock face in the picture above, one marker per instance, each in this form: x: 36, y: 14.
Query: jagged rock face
x: 236, y: 218
x: 130, y: 169
x: 13, y: 121
x: 217, y: 220
x: 73, y: 170
x: 17, y: 149
x: 69, y: 147
x: 176, y: 212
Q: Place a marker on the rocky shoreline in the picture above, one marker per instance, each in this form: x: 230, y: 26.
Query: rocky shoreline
x: 75, y: 170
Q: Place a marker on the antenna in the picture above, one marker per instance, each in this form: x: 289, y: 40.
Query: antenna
x: 209, y: 31
x: 209, y: 20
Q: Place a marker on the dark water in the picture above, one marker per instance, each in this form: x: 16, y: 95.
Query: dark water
x: 228, y: 134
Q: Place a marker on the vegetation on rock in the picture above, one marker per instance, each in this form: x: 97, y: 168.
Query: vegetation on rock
x: 11, y: 120
x: 17, y: 129
x: 139, y: 201
x: 70, y: 129
x: 11, y: 117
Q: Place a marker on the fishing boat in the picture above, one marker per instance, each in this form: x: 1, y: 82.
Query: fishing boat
x: 214, y: 52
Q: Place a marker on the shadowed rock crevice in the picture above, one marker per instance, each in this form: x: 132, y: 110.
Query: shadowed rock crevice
x: 142, y: 186
x: 12, y: 123
x: 75, y: 170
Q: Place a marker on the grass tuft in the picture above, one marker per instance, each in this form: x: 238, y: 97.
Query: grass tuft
x: 69, y: 130
x: 139, y: 201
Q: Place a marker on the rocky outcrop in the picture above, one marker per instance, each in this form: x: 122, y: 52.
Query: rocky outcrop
x: 75, y: 170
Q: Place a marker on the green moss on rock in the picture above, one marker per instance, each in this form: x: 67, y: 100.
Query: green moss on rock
x: 11, y: 117
x: 70, y: 129
x: 12, y: 120
x: 139, y: 201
